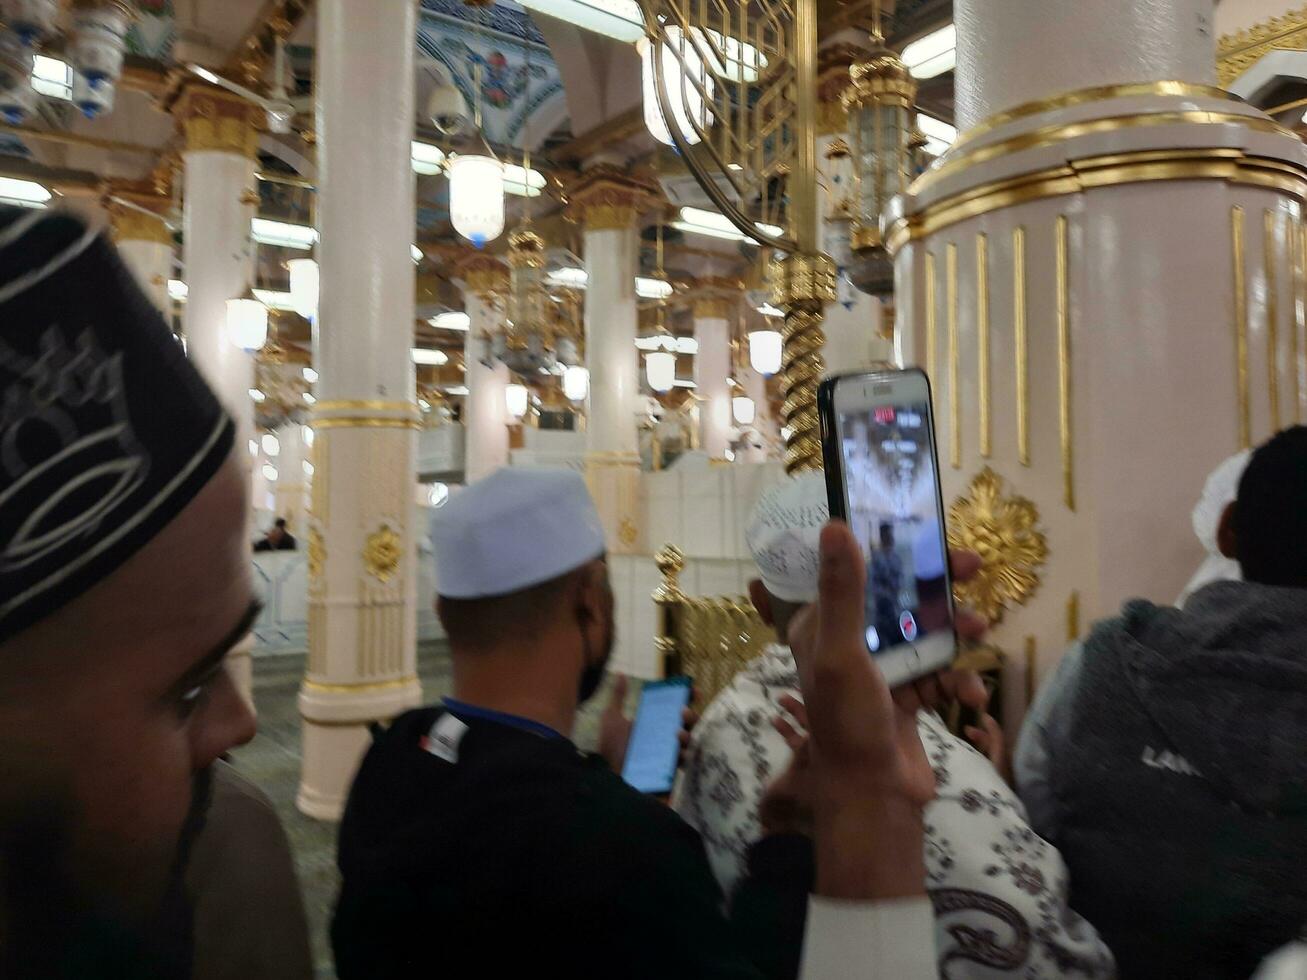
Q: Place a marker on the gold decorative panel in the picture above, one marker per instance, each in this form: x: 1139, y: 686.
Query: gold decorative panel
x: 1002, y: 529
x: 1236, y: 53
x: 382, y: 553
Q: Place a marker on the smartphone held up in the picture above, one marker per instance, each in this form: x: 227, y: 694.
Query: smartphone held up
x: 882, y: 478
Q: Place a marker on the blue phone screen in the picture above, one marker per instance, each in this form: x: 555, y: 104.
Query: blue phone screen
x: 652, y: 753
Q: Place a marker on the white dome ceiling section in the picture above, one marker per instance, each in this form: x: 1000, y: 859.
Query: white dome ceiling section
x: 454, y: 40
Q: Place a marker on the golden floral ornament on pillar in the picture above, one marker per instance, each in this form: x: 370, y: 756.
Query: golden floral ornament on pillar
x: 1003, y: 530
x: 317, y: 554
x: 382, y: 552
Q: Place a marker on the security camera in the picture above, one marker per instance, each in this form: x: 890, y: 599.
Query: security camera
x: 447, y: 109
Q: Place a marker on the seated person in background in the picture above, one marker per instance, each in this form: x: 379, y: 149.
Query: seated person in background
x: 999, y: 892
x: 1218, y: 493
x: 1165, y: 756
x: 477, y: 836
x: 277, y: 538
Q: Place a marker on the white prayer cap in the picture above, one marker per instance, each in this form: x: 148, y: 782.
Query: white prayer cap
x: 784, y: 533
x: 514, y: 529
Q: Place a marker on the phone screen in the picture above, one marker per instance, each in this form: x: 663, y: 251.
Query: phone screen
x: 894, y: 511
x: 652, y: 753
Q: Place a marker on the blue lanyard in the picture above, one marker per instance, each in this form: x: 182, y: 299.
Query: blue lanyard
x: 462, y: 710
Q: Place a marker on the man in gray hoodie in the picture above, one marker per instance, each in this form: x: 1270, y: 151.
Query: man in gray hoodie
x: 1167, y: 757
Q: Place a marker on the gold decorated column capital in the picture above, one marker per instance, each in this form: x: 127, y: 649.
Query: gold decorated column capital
x: 833, y: 63
x: 484, y: 275
x: 216, y: 120
x: 142, y: 222
x: 607, y: 198
x: 715, y: 297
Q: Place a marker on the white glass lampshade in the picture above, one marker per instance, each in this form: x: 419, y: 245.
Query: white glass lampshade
x: 247, y: 323
x: 304, y: 276
x: 269, y: 472
x: 271, y: 445
x: 576, y: 383
x: 476, y: 197
x: 682, y: 94
x: 660, y: 369
x: 744, y: 410
x: 765, y: 351
x: 308, y: 435
x: 515, y: 400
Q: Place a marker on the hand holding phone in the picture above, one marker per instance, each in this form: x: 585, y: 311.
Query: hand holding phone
x: 655, y: 745
x: 882, y: 479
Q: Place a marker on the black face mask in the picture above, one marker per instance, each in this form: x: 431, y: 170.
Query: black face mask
x: 593, y: 673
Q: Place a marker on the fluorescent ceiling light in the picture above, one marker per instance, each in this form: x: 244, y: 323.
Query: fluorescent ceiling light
x: 455, y: 389
x: 647, y: 288
x: 416, y: 252
x: 52, y: 77
x: 425, y: 355
x: 683, y: 383
x: 620, y: 19
x: 933, y: 54
x: 178, y: 290
x: 308, y: 398
x: 257, y: 395
x: 27, y: 193
x: 427, y: 159
x: 205, y: 74
x: 268, y: 232
x: 682, y: 345
x: 453, y: 320
x: 518, y: 181
x: 310, y: 375
x: 274, y: 300
x: 714, y: 224
x: 768, y: 310
x: 939, y: 134
x: 570, y: 277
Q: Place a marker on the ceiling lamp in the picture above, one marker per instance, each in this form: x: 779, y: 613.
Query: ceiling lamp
x: 933, y: 54
x: 881, y: 136
x: 687, y: 85
x: 744, y: 410
x: 938, y: 134
x: 765, y: 351
x: 476, y: 197
x: 271, y: 446
x: 99, y: 40
x: 660, y: 370
x: 681, y: 345
x: 576, y: 383
x: 526, y: 342
x: 247, y: 323
x: 304, y: 279
x: 268, y: 232
x: 311, y: 376
x: 515, y: 400
x: 270, y: 472
x: 256, y: 395
x: 522, y: 181
x: 96, y: 44
x: 178, y: 290
x: 429, y: 357
x: 426, y: 159
x: 32, y: 20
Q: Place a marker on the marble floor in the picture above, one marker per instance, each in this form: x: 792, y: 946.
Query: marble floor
x: 272, y: 761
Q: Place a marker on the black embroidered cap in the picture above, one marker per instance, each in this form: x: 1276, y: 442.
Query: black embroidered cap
x: 107, y: 431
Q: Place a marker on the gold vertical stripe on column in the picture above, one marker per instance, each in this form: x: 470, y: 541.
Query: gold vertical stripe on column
x: 1297, y: 260
x: 1073, y: 617
x: 982, y: 340
x: 1021, y: 343
x: 1240, y: 328
x: 932, y: 327
x: 955, y: 396
x: 1270, y: 259
x: 1064, y: 364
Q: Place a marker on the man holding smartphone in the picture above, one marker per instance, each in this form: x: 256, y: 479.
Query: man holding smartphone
x: 480, y: 819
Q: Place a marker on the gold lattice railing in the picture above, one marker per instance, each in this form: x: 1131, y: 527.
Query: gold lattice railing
x: 706, y: 639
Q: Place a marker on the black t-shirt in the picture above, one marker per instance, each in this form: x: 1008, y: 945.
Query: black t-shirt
x: 528, y: 858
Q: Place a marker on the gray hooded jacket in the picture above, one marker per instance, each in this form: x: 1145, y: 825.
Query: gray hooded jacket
x: 1167, y: 759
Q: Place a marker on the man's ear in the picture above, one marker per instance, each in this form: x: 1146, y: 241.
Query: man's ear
x: 593, y: 591
x: 761, y: 601
x: 1225, y: 536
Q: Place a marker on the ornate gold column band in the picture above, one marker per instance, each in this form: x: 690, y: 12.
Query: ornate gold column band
x: 1298, y: 249
x: 954, y: 395
x: 485, y: 275
x: 1270, y: 259
x: 1218, y: 163
x: 131, y: 225
x: 214, y: 119
x: 932, y: 327
x: 802, y: 288
x: 1064, y: 362
x: 609, y: 198
x: 1021, y: 342
x: 982, y: 341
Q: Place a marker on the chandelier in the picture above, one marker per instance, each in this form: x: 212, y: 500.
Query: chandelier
x: 476, y: 178
x: 880, y: 107
x: 95, y: 42
x: 525, y: 344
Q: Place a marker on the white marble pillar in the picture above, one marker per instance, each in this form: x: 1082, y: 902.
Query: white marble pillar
x: 754, y: 385
x: 291, y: 494
x: 221, y: 136
x: 609, y: 202
x: 1084, y: 349
x: 485, y: 415
x: 145, y: 243
x: 361, y: 545
x: 712, y: 373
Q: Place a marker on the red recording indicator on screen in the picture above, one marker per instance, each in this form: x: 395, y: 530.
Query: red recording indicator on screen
x: 885, y: 415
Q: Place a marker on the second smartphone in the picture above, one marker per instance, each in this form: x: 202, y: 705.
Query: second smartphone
x: 882, y: 478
